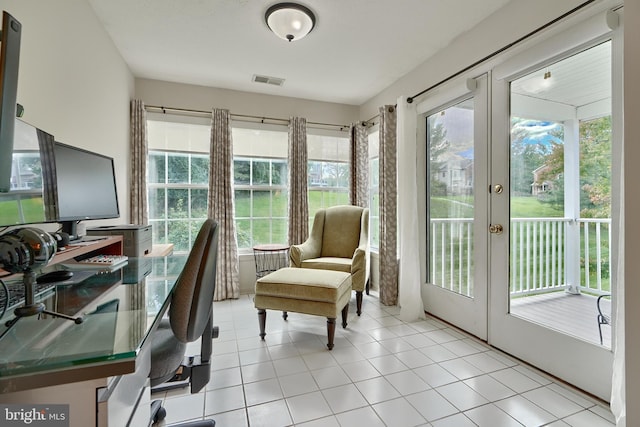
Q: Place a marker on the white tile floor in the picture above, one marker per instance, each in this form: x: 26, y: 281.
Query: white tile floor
x: 382, y: 372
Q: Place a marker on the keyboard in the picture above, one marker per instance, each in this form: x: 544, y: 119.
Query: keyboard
x: 100, y: 262
x: 16, y: 293
x: 108, y: 260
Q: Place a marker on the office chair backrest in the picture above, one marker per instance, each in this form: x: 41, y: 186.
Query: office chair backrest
x: 192, y: 299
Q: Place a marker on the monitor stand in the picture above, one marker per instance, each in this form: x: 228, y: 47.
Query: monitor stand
x: 31, y: 308
x: 71, y: 228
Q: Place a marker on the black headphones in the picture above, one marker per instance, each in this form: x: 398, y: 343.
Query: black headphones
x: 14, y: 254
x: 62, y: 239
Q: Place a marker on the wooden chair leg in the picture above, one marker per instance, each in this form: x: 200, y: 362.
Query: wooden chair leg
x: 345, y: 313
x: 262, y: 320
x: 331, y: 331
x: 285, y: 315
x: 367, y: 286
x: 359, y: 302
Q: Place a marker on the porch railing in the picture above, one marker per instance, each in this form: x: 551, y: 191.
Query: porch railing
x: 547, y: 254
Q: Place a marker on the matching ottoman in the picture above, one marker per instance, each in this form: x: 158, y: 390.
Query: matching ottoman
x: 304, y: 290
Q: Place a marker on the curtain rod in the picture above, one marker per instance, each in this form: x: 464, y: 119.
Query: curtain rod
x: 243, y: 117
x: 502, y: 49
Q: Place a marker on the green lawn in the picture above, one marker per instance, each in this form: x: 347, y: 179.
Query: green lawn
x: 527, y: 207
x: 270, y: 214
x: 462, y: 207
x: 32, y: 210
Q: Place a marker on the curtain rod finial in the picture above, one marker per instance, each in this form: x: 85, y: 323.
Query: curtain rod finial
x: 409, y: 100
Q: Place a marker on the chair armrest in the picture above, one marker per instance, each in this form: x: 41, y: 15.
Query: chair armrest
x: 358, y: 261
x: 307, y: 250
x: 360, y: 268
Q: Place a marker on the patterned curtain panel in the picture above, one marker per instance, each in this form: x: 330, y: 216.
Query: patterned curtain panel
x: 49, y: 182
x: 139, y: 150
x: 388, y: 202
x: 359, y: 159
x: 220, y: 205
x: 298, y: 199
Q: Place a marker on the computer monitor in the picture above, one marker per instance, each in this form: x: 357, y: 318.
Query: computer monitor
x: 86, y: 187
x: 9, y: 61
x: 31, y: 173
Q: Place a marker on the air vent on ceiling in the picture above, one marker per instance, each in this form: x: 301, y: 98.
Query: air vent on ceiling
x: 276, y: 81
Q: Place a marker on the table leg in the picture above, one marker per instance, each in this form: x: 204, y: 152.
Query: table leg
x: 262, y: 320
x: 345, y: 312
x: 331, y: 331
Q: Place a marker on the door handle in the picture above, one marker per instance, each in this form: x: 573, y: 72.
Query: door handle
x: 496, y: 229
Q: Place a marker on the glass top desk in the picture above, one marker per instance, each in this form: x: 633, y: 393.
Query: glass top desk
x: 120, y: 309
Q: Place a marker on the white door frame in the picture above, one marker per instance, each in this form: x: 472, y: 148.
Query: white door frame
x: 467, y: 313
x: 585, y: 365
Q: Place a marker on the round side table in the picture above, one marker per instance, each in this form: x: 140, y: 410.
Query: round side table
x: 270, y: 257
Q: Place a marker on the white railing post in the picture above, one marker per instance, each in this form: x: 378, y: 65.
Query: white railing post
x: 540, y: 249
x: 572, y: 203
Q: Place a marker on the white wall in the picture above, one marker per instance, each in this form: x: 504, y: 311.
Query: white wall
x: 516, y: 19
x: 73, y: 82
x: 632, y: 207
x: 159, y: 93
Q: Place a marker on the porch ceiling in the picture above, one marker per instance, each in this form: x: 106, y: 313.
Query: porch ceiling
x: 580, y: 83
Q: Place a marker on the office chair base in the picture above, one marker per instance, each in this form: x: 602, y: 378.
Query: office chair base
x: 158, y: 413
x: 203, y: 423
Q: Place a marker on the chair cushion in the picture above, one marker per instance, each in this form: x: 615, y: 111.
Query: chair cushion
x: 305, y: 284
x: 167, y: 354
x: 341, y: 232
x: 328, y: 263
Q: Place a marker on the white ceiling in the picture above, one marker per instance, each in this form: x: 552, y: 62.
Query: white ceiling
x: 357, y: 49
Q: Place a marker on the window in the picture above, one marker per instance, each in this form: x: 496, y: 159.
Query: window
x: 178, y: 192
x: 327, y: 172
x: 177, y: 181
x: 24, y: 204
x: 260, y: 185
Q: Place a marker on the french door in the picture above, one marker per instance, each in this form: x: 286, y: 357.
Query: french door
x: 552, y: 240
x: 520, y: 183
x: 456, y: 131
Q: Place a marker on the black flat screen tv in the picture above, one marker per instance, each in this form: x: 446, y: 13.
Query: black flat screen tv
x: 9, y: 62
x: 85, y: 186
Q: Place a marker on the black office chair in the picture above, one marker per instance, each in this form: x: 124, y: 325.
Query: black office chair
x: 190, y: 318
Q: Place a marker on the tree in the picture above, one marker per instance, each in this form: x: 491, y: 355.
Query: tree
x: 595, y: 170
x: 555, y: 175
x: 526, y: 157
x: 438, y: 145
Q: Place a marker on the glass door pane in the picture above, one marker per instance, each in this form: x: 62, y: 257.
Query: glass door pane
x: 456, y: 159
x: 560, y: 195
x: 450, y: 142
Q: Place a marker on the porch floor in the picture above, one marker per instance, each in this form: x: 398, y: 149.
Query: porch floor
x: 572, y: 314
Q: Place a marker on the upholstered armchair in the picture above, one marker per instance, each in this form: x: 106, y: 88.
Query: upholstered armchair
x: 339, y: 241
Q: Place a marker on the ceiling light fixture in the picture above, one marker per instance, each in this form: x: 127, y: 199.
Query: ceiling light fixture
x: 290, y: 21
